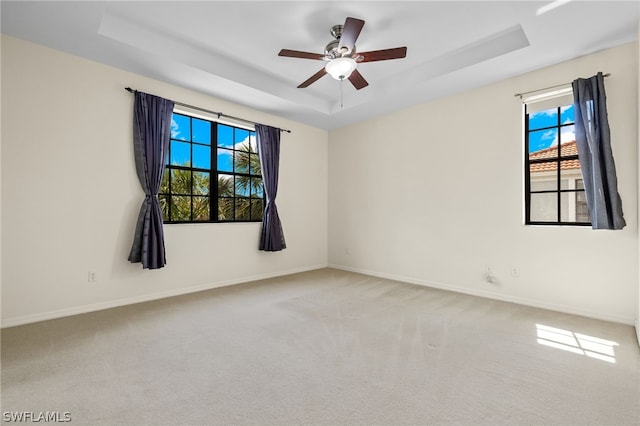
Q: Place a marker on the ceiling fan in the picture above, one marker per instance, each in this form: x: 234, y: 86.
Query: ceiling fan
x: 342, y: 57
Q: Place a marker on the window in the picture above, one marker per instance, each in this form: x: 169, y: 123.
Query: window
x: 212, y: 173
x: 554, y: 190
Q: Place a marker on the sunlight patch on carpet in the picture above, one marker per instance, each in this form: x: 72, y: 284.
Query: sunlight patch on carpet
x: 577, y: 343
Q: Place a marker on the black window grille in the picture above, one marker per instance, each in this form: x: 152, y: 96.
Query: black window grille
x: 554, y: 190
x: 212, y: 173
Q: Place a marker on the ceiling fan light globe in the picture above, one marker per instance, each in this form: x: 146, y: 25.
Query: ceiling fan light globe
x: 340, y: 68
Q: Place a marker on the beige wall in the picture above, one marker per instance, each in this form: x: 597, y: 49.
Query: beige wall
x: 434, y: 195
x: 431, y: 195
x: 638, y: 143
x: 1, y: 181
x: 70, y: 195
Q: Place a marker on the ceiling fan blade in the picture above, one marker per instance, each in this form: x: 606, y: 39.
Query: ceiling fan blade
x: 312, y: 79
x: 350, y: 33
x: 298, y: 54
x: 383, y: 55
x: 357, y: 80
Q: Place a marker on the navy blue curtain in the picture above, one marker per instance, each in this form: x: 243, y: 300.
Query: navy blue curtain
x: 593, y: 139
x: 268, y: 138
x: 151, y: 135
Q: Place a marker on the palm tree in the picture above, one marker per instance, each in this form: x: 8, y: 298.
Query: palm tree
x: 248, y: 187
x: 240, y: 196
x: 189, y: 197
x: 225, y: 197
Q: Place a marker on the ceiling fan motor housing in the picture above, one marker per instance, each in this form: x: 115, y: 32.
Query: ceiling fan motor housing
x: 332, y: 50
x: 336, y: 31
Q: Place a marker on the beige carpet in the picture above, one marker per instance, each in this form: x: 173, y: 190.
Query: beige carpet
x: 324, y: 347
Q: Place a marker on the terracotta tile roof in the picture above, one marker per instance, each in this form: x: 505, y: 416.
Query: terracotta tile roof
x: 567, y: 148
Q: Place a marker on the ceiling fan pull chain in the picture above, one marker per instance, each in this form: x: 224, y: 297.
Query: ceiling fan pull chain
x: 342, y: 93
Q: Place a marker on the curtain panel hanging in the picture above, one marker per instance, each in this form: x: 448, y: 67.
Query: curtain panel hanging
x: 593, y: 140
x: 151, y: 135
x: 268, y: 138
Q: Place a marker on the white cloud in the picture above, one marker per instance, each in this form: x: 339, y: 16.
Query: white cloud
x: 175, y: 131
x: 568, y: 134
x: 250, y: 141
x: 549, y: 134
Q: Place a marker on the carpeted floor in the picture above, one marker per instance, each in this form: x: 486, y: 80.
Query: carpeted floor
x: 324, y: 347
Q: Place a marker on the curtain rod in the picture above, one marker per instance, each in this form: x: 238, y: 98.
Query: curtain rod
x: 219, y: 114
x: 550, y: 87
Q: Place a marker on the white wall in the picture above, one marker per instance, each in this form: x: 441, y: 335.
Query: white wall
x: 434, y: 195
x: 431, y: 195
x: 70, y: 195
x: 638, y: 143
x: 1, y: 181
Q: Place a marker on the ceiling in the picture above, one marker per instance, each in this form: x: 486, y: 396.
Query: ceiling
x: 229, y: 49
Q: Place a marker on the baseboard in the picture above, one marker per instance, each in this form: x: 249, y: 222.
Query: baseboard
x: 28, y: 319
x: 494, y: 296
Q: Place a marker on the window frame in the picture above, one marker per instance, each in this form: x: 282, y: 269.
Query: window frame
x: 559, y: 191
x: 214, y: 174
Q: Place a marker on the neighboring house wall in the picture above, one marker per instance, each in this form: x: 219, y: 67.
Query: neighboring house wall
x: 433, y: 195
x: 544, y: 177
x: 545, y: 208
x: 70, y: 194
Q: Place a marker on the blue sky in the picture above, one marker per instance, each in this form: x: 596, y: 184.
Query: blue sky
x: 227, y: 140
x: 543, y: 139
x: 229, y: 137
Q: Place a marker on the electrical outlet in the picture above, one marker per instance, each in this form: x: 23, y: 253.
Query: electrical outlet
x: 92, y: 277
x: 489, y: 278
